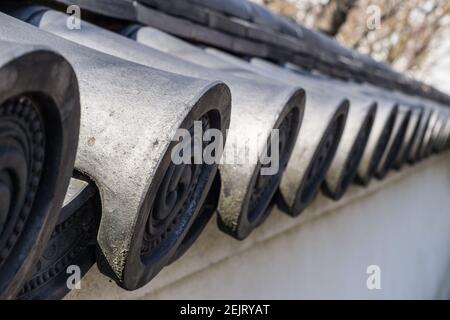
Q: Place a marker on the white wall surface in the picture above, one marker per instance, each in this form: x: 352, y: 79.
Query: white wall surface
x: 401, y: 224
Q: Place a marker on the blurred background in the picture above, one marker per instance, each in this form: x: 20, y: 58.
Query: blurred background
x: 413, y: 36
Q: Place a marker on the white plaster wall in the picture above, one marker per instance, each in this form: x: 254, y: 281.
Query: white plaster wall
x: 401, y: 224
